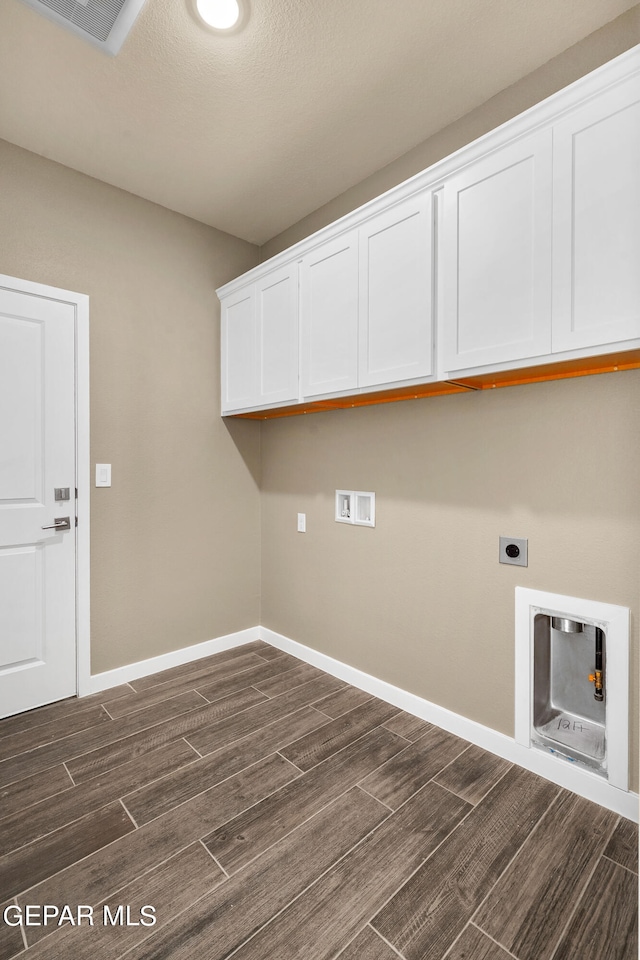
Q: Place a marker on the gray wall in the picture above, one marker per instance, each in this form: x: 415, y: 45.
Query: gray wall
x: 421, y: 601
x: 175, y: 540
x: 598, y: 48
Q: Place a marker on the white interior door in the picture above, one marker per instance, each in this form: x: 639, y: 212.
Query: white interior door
x: 37, y: 455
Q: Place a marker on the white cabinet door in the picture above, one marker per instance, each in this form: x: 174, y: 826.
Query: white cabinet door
x: 277, y: 352
x: 396, y: 311
x: 239, y: 351
x: 260, y: 343
x: 497, y: 250
x: 329, y: 317
x: 596, y: 268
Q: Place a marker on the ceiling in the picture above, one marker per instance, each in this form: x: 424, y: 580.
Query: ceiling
x: 253, y: 131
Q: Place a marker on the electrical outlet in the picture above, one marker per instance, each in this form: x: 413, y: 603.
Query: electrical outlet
x: 514, y: 550
x: 302, y: 523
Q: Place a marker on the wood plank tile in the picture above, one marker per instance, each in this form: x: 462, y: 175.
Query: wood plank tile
x: 152, y: 801
x: 147, y: 698
x: 408, y: 726
x: 41, y: 758
x: 170, y: 887
x: 218, y: 735
x: 623, y: 846
x: 31, y: 864
x: 246, y: 836
x: 16, y: 743
x: 226, y: 679
x: 44, y: 817
x: 268, y: 652
x: 473, y: 774
x: 425, y: 917
x: 278, y: 901
x: 330, y: 913
x: 105, y: 758
x: 218, y: 664
x: 11, y: 941
x: 368, y: 946
x: 328, y: 739
x: 605, y: 926
x: 409, y: 770
x: 264, y: 671
x: 223, y: 919
x: 292, y: 678
x: 102, y: 873
x: 343, y: 701
x: 21, y: 794
x: 473, y: 944
x: 63, y: 708
x: 550, y: 872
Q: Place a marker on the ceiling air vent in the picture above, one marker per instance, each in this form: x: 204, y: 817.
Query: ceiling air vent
x: 104, y: 23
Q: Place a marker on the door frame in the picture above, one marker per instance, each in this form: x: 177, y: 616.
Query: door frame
x: 80, y: 303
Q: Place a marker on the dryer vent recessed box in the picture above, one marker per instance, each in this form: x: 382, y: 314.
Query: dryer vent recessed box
x: 104, y: 23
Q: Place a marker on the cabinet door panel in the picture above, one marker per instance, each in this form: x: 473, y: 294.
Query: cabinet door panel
x: 277, y: 312
x: 396, y: 324
x: 239, y: 351
x: 497, y: 271
x: 596, y: 279
x: 329, y: 317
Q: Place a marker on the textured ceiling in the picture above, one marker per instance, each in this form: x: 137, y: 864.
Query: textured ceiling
x: 253, y: 131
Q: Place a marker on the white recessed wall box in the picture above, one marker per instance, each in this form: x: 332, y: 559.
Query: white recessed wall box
x: 344, y: 506
x: 572, y: 683
x: 357, y: 507
x: 104, y: 23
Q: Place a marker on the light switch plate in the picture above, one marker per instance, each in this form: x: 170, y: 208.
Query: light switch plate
x: 103, y: 474
x: 302, y: 523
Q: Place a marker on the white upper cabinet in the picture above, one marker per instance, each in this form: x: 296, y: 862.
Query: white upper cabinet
x: 329, y: 317
x: 497, y: 256
x: 396, y: 312
x: 277, y: 321
x: 596, y: 239
x: 533, y: 257
x: 260, y: 343
x: 366, y: 315
x: 238, y: 350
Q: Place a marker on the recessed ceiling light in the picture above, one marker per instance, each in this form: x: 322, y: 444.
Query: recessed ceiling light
x: 219, y: 14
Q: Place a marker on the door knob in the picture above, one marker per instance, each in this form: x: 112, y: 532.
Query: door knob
x: 60, y: 523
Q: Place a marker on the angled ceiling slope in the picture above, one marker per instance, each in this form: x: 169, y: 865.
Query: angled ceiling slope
x: 104, y: 23
x: 252, y: 131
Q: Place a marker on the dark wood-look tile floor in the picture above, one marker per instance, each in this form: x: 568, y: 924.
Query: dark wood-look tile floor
x: 268, y: 811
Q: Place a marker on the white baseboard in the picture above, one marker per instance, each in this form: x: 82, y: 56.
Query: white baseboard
x: 576, y: 779
x: 143, y: 668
